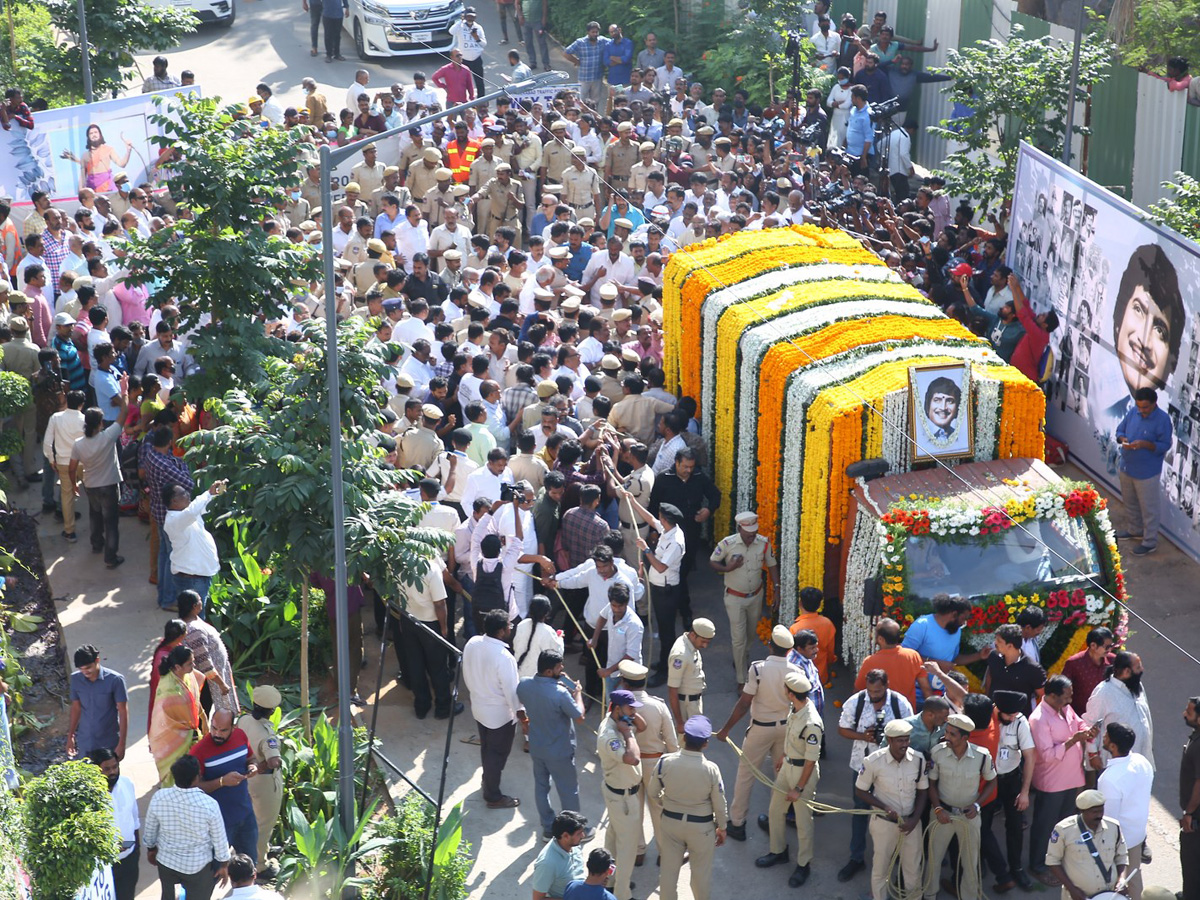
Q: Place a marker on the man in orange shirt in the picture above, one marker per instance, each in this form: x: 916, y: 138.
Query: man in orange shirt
x: 905, y: 667
x: 810, y: 602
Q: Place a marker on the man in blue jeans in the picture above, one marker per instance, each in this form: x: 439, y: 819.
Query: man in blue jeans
x: 553, y: 706
x: 161, y: 468
x: 226, y: 761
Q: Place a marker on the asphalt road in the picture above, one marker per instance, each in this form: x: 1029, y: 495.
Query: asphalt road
x: 269, y: 42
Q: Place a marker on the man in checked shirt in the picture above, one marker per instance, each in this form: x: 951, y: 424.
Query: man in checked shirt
x: 185, y: 836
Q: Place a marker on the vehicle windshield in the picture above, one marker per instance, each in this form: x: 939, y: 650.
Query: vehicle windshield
x: 1006, y: 564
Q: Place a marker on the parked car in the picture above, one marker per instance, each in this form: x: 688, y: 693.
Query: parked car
x: 210, y: 12
x: 402, y: 27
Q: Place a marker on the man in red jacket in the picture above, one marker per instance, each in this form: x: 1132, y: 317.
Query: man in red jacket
x: 1028, y: 354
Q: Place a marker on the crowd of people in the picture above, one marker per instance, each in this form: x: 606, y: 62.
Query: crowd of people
x: 511, y: 266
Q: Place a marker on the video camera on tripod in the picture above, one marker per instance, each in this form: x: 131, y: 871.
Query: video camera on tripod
x: 884, y: 109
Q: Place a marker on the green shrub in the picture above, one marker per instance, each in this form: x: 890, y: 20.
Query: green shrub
x: 404, y: 861
x: 69, y: 829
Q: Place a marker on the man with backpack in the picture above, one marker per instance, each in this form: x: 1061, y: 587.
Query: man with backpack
x: 864, y: 717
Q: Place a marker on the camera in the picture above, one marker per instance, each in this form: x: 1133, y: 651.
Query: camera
x: 508, y: 492
x: 792, y: 48
x: 885, y: 108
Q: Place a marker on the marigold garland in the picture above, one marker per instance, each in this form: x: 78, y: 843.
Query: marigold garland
x: 788, y: 392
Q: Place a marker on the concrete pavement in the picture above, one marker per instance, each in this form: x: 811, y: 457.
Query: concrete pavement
x: 115, y: 610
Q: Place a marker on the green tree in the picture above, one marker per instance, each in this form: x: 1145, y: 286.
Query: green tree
x: 271, y: 440
x: 268, y: 398
x: 49, y: 62
x: 69, y: 829
x: 218, y: 263
x: 1150, y: 32
x: 1180, y: 211
x: 1013, y: 90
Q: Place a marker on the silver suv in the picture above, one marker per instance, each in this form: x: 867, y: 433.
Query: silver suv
x: 402, y: 27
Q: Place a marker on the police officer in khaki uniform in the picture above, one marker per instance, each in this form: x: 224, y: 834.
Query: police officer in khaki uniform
x: 765, y: 695
x: 639, y: 172
x: 639, y: 483
x: 581, y: 186
x: 556, y: 155
x: 694, y: 814
x: 423, y: 177
x: 619, y: 159
x: 741, y: 558
x: 420, y: 447
x: 702, y: 150
x: 621, y: 762
x: 483, y: 167
x: 657, y: 738
x: 893, y: 779
x: 796, y: 777
x: 685, y: 672
x: 610, y: 384
x: 504, y: 201
x: 266, y: 789
x: 440, y: 197
x: 527, y: 160
x: 1087, y: 851
x: 956, y: 769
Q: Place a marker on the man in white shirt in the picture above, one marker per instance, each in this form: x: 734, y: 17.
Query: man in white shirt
x: 129, y: 824
x: 1121, y: 697
x: 194, y: 559
x: 662, y: 571
x: 358, y: 88
x: 1016, y: 758
x: 667, y: 73
x: 243, y: 875
x: 613, y: 267
x: 1125, y: 783
x: 486, y: 480
x: 424, y: 655
x: 490, y: 673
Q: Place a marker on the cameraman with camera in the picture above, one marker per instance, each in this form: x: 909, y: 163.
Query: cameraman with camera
x: 864, y: 717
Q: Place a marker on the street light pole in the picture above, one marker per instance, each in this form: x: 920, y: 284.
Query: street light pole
x: 84, y: 53
x: 1072, y: 85
x: 331, y: 157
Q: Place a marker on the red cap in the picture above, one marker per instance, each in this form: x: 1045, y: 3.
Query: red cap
x: 962, y: 269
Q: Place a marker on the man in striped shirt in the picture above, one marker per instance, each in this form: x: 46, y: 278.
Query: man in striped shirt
x: 226, y: 761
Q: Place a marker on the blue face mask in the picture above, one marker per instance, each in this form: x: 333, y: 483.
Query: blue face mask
x: 843, y: 81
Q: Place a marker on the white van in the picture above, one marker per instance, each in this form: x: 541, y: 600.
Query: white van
x: 402, y: 27
x: 209, y: 12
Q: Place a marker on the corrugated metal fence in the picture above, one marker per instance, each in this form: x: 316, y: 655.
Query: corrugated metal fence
x: 1142, y: 134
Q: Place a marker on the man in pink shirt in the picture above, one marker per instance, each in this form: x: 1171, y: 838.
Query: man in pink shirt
x: 1058, y: 737
x: 41, y: 327
x: 456, y: 80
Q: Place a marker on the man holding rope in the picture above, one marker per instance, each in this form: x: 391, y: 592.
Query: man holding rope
x: 892, y: 780
x: 765, y: 696
x: 796, y: 776
x: 958, y: 769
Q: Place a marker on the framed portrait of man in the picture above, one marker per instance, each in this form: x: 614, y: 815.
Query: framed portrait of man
x: 940, y: 411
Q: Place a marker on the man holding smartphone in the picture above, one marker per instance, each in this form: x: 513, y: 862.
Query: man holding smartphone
x: 1144, y: 437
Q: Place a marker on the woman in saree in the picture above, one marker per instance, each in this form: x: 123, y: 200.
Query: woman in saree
x: 173, y: 633
x: 177, y: 720
x: 98, y: 160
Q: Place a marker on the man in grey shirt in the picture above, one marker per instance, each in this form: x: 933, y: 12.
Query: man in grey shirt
x: 552, y: 708
x: 651, y: 57
x: 99, y: 707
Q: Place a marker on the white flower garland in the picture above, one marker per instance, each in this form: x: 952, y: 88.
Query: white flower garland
x: 716, y: 303
x: 987, y: 416
x: 805, y: 386
x: 754, y: 344
x: 862, y: 562
x: 895, y: 430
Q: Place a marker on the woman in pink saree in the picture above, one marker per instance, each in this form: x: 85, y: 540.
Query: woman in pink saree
x: 176, y: 720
